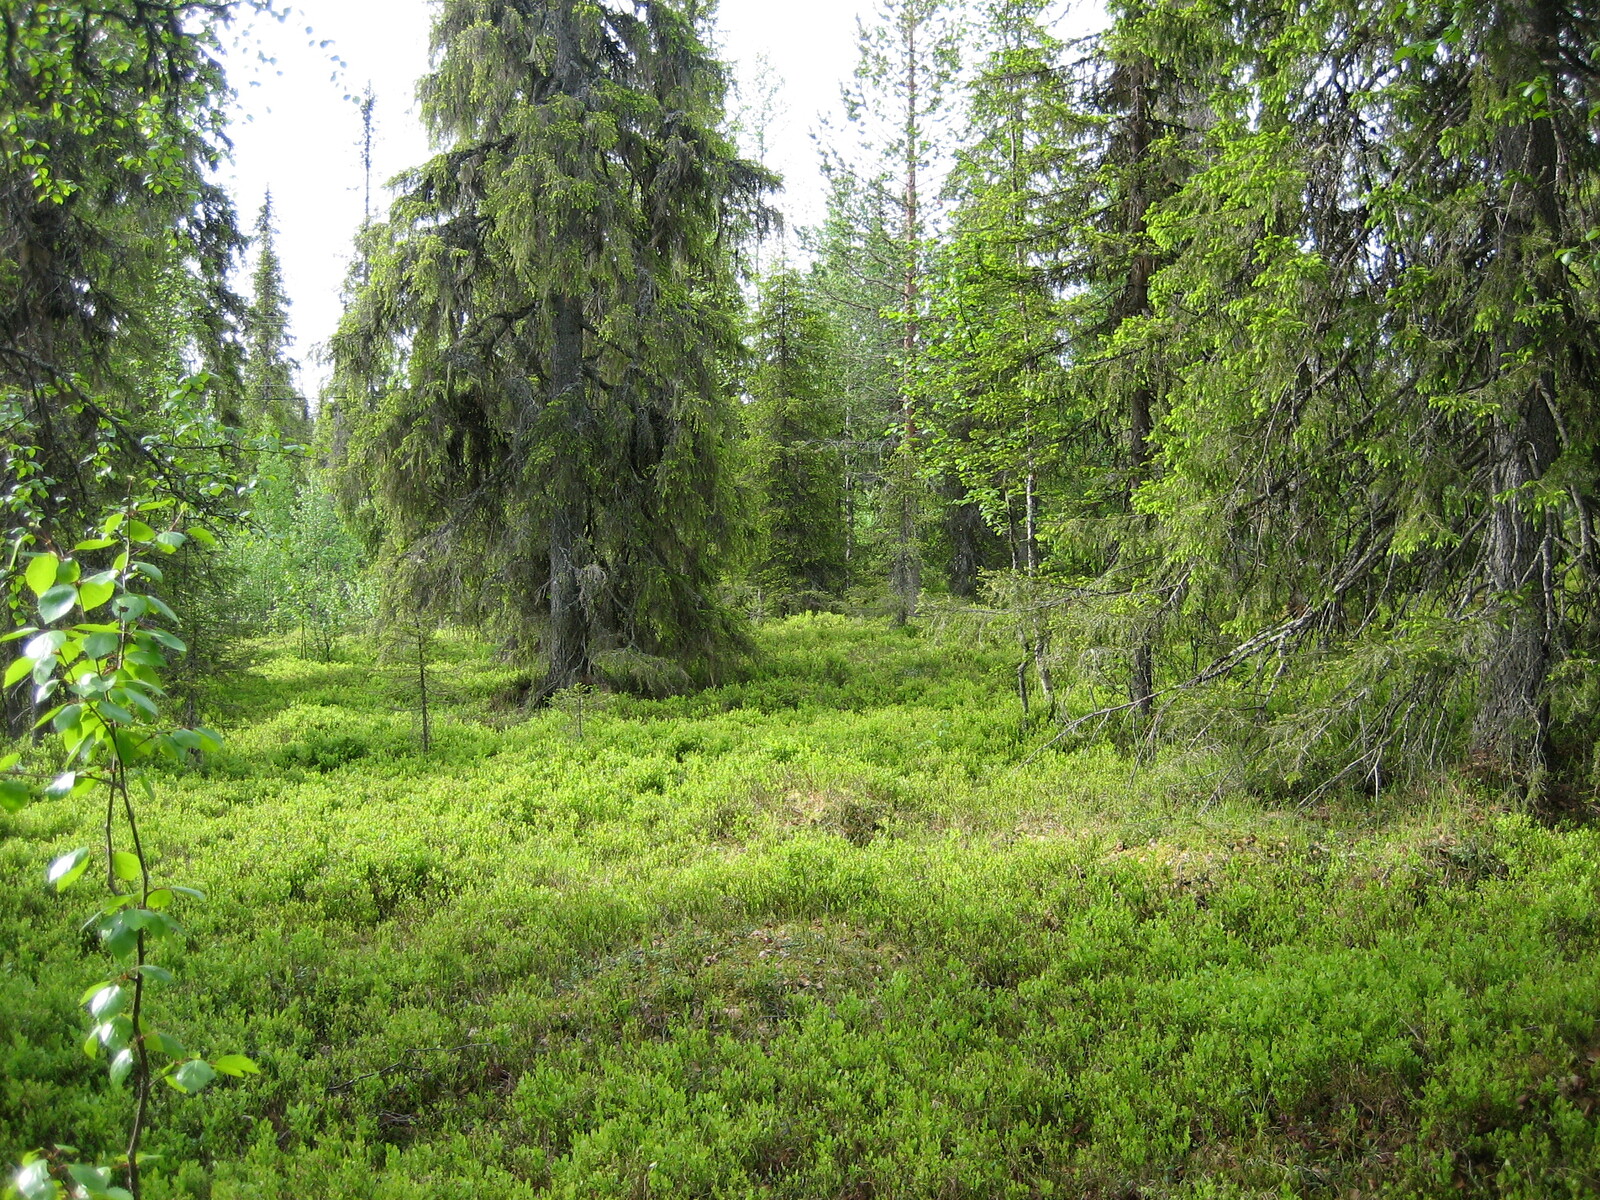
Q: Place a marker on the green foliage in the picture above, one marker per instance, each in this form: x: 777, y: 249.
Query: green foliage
x: 535, y: 365
x: 99, y: 681
x: 300, y: 567
x: 114, y: 242
x: 271, y: 401
x: 794, y: 439
x: 821, y: 931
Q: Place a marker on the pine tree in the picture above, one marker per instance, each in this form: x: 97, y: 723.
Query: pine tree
x: 557, y: 286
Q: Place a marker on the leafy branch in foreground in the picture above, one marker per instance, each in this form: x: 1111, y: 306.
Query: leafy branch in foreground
x: 95, y: 663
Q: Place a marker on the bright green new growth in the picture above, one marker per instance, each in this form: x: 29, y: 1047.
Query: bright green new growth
x: 821, y: 932
x: 95, y: 663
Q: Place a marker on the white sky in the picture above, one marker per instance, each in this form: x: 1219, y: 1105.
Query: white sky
x: 297, y: 133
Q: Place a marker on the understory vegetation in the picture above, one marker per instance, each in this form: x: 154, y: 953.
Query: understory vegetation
x: 1076, y: 675
x: 827, y: 931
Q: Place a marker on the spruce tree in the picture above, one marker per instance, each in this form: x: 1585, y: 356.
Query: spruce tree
x: 796, y: 421
x: 1373, y: 305
x: 272, y: 403
x: 991, y: 376
x: 555, y: 289
x: 900, y: 101
x: 115, y: 244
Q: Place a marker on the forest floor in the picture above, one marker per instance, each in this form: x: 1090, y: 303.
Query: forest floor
x: 827, y: 933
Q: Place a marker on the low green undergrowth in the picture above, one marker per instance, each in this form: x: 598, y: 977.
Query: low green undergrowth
x: 826, y: 932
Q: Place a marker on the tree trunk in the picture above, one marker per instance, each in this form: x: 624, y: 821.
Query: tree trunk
x: 1512, y: 724
x: 1141, y: 673
x: 968, y: 535
x: 567, y: 642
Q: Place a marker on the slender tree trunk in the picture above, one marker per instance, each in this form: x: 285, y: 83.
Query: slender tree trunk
x: 968, y: 536
x: 422, y: 687
x: 568, y: 638
x: 905, y: 567
x: 1141, y: 674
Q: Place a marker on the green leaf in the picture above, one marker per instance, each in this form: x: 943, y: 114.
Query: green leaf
x: 45, y: 645
x: 236, y: 1065
x: 57, y: 602
x: 121, y: 1067
x: 170, y: 641
x: 100, y: 543
x: 95, y: 1179
x: 61, y: 787
x: 112, y: 523
x: 171, y: 539
x: 114, y: 713
x: 191, y: 893
x: 93, y: 595
x: 133, y: 696
x: 193, y: 1076
x: 153, y: 972
x: 150, y: 571
x: 14, y: 795
x: 119, y: 935
x: 125, y: 866
x: 89, y: 993
x: 41, y: 573
x: 67, y: 870
x: 108, y: 1002
x: 164, y: 1043
x: 140, y: 532
x: 18, y: 671
x: 33, y: 1182
x: 159, y: 899
x: 129, y: 607
x: 101, y: 645
x: 204, y: 536
x: 67, y: 717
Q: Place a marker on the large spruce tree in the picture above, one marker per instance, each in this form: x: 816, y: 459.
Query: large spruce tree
x: 555, y: 290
